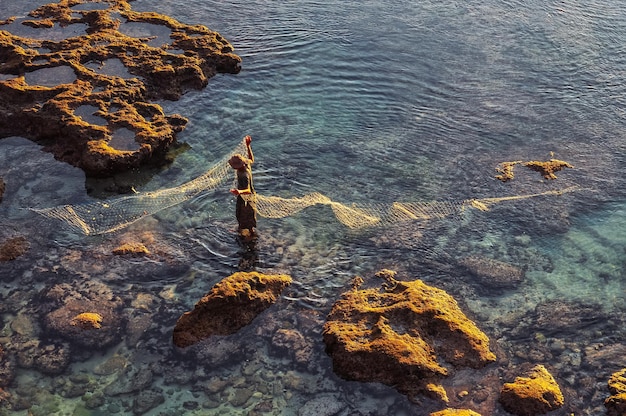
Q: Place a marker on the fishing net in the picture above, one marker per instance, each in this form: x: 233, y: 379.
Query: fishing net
x: 368, y: 215
x: 114, y: 214
x: 107, y: 216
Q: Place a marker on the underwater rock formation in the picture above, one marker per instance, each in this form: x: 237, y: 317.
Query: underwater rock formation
x: 400, y: 334
x: 493, y: 273
x: 536, y: 394
x: 98, y: 306
x: 46, y: 357
x: 7, y: 368
x: 229, y: 306
x: 13, y: 247
x: 291, y: 342
x: 616, y: 403
x: 2, y: 188
x: 98, y: 117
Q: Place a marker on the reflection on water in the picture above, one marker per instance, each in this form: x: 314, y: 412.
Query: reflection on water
x: 373, y: 102
x: 112, y: 67
x: 55, y: 33
x: 51, y: 77
x: 86, y: 112
x: 160, y: 35
x: 123, y: 139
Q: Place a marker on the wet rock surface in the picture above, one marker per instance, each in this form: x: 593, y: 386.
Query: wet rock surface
x: 101, y: 118
x: 400, y: 334
x: 534, y: 394
x: 616, y: 403
x: 66, y: 304
x: 230, y: 305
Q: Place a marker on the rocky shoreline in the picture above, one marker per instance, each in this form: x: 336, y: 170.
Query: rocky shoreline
x: 103, y: 118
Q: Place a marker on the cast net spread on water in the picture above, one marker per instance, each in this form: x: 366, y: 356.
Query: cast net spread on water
x: 107, y: 216
x: 114, y: 214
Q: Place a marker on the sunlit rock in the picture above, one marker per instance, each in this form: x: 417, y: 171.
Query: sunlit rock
x: 400, y: 334
x: 616, y: 403
x: 131, y: 248
x: 536, y: 394
x: 455, y: 412
x: 230, y: 305
x: 87, y: 320
x: 73, y: 78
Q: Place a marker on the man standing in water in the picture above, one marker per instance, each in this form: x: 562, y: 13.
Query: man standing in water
x: 246, y: 210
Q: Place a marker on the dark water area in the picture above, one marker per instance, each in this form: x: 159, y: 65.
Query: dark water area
x: 368, y: 103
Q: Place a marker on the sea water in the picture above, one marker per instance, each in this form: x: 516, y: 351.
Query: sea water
x: 369, y: 102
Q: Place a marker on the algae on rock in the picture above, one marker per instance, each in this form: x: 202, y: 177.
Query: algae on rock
x: 399, y: 334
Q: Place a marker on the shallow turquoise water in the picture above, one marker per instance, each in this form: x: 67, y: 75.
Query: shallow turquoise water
x: 376, y: 102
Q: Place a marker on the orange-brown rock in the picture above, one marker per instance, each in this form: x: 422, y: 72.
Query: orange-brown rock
x: 131, y: 248
x: 616, y: 403
x: 536, y: 394
x: 13, y: 247
x: 400, y: 334
x: 455, y: 412
x: 107, y: 79
x: 505, y: 170
x: 229, y: 306
x: 548, y: 168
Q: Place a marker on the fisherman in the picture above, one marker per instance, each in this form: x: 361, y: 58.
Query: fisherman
x: 246, y: 210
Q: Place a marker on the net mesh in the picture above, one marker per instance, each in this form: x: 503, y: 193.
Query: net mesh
x: 114, y: 214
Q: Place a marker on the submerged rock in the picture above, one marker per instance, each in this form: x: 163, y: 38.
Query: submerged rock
x: 7, y: 368
x: 493, y: 273
x: 230, y: 305
x: 91, y: 317
x: 616, y: 403
x: 322, y: 405
x: 147, y: 400
x: 2, y: 188
x: 400, y: 334
x: 13, y: 247
x: 98, y: 117
x: 536, y: 394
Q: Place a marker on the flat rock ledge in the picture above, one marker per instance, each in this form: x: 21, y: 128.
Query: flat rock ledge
x: 229, y: 306
x: 536, y: 393
x: 98, y: 117
x: 400, y: 333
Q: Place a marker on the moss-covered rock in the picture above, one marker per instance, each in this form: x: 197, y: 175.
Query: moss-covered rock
x: 229, y: 306
x: 455, y: 412
x: 535, y: 394
x: 400, y: 334
x: 79, y: 118
x: 616, y: 403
